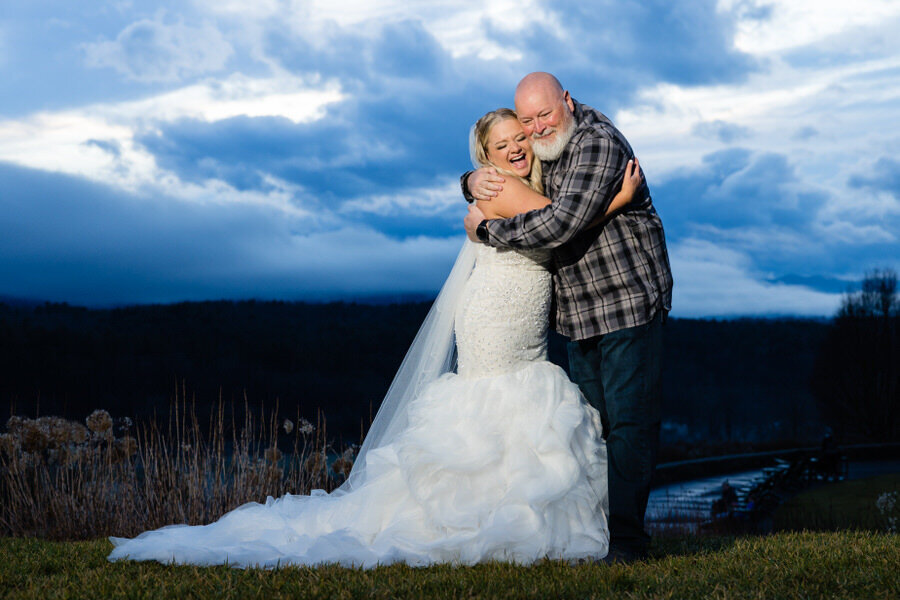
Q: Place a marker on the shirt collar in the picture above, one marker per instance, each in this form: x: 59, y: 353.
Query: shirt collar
x: 578, y: 112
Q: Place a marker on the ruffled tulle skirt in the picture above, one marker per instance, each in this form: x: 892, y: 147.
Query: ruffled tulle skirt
x: 509, y: 468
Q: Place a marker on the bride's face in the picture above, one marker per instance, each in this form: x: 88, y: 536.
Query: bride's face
x: 508, y: 147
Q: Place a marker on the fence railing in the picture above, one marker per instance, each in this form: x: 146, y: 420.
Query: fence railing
x: 683, y: 470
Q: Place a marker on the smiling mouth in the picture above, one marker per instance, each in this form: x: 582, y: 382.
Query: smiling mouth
x: 518, y: 162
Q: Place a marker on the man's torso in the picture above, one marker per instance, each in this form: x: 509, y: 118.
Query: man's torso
x: 616, y: 275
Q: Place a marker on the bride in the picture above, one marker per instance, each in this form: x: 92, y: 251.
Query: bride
x: 501, y: 460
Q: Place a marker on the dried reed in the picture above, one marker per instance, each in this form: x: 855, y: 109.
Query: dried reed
x: 61, y: 480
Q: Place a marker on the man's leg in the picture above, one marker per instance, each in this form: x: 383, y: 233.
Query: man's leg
x: 584, y: 367
x: 625, y: 387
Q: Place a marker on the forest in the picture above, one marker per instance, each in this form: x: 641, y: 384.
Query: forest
x: 744, y: 382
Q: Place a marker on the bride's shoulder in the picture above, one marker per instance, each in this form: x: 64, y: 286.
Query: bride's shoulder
x: 514, y: 186
x: 515, y: 198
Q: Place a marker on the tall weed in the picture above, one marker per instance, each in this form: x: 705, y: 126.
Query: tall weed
x: 63, y: 480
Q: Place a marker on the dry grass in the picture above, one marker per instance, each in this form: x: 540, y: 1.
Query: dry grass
x: 865, y: 504
x: 62, y: 480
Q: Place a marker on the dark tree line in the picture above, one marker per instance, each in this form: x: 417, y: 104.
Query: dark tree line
x: 743, y: 380
x: 856, y: 378
x: 64, y: 360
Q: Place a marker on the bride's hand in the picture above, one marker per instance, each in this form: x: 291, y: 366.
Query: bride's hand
x: 630, y: 184
x: 632, y: 179
x: 484, y: 183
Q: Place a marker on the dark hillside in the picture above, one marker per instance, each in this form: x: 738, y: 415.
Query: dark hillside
x: 740, y: 380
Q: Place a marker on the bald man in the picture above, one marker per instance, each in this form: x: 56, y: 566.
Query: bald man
x: 613, y: 283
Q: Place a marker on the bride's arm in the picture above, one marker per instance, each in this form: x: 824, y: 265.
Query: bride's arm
x: 630, y: 182
x: 516, y: 197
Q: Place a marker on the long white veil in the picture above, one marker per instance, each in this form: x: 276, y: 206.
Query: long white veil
x: 432, y: 353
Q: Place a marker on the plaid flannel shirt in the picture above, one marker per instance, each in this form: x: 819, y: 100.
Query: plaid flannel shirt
x: 609, y: 277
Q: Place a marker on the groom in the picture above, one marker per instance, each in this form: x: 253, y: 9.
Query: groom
x: 613, y: 283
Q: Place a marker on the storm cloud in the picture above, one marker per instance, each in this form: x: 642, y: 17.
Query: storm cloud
x: 156, y: 152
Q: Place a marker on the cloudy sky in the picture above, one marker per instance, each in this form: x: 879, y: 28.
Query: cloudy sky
x: 296, y: 149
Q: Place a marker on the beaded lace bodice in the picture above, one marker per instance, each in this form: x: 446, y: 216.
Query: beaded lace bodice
x: 501, y: 320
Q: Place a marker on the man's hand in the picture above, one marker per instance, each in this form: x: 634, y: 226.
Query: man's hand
x: 472, y: 221
x: 484, y: 183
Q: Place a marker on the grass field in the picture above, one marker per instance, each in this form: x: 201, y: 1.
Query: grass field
x: 845, y: 505
x: 784, y: 565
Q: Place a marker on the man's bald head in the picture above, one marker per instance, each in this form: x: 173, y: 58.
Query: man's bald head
x: 545, y: 112
x: 539, y: 82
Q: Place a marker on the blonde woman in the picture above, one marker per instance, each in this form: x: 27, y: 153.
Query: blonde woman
x: 500, y: 460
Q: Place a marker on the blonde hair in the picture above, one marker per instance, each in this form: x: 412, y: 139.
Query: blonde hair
x: 483, y: 130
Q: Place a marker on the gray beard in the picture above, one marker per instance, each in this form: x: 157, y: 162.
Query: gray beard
x: 550, y: 150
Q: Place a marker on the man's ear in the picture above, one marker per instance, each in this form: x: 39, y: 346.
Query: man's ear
x: 568, y: 100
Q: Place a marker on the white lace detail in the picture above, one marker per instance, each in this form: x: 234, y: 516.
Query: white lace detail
x: 501, y: 320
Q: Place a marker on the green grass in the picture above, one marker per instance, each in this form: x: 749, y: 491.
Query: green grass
x: 786, y: 565
x: 838, y: 506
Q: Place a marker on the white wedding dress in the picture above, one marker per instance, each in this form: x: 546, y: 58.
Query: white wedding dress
x: 502, y: 460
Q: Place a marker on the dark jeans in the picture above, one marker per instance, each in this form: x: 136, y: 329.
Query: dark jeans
x: 619, y: 374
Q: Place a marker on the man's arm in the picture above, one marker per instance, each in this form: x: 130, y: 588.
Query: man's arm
x: 464, y: 186
x: 590, y: 184
x: 482, y: 184
x: 516, y: 198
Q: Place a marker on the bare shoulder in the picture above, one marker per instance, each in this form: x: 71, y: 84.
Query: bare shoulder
x: 513, y: 187
x: 516, y: 198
